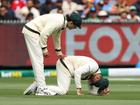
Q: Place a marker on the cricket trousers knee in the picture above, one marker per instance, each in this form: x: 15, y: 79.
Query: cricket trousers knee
x: 63, y: 80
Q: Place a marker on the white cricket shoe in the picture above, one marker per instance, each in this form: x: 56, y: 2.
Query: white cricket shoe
x: 31, y: 89
x: 44, y: 91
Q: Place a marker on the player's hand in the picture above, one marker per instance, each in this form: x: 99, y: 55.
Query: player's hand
x: 60, y: 55
x: 79, y: 92
x: 105, y: 92
x: 45, y: 52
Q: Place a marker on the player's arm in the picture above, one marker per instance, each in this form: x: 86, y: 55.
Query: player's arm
x: 57, y: 44
x: 44, y: 34
x: 77, y: 77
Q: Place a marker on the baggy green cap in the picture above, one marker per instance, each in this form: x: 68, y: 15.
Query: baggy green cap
x: 76, y: 18
x: 102, y: 84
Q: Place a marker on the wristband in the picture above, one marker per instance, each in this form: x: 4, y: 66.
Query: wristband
x: 57, y: 50
x: 43, y: 48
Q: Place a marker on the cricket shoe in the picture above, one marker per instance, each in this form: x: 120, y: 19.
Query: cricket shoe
x: 44, y: 91
x: 31, y: 89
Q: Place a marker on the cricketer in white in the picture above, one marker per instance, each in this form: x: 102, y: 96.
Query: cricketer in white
x: 79, y: 68
x: 36, y: 33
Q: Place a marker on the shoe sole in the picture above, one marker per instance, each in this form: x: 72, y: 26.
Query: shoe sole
x: 31, y: 89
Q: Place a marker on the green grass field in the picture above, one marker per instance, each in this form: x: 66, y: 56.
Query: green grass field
x: 122, y: 93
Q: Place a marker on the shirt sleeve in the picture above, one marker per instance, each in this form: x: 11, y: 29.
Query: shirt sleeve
x: 57, y: 40
x: 45, y: 33
x: 93, y: 90
x: 78, y: 73
x: 99, y: 71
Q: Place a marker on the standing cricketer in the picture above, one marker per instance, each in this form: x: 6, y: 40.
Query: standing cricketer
x: 36, y: 33
x: 79, y: 68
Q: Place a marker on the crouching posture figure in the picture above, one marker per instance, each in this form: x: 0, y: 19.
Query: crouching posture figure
x: 79, y: 68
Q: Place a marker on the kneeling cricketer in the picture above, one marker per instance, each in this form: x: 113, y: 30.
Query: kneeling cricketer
x: 77, y: 68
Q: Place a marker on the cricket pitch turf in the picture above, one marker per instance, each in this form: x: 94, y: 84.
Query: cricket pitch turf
x: 122, y: 93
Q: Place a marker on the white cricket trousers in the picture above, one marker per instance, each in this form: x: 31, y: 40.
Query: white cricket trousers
x: 36, y: 56
x: 63, y: 80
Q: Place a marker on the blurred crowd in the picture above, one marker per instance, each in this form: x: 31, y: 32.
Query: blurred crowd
x: 97, y: 10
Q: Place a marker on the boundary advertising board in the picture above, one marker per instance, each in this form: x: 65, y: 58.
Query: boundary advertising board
x: 108, y: 44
